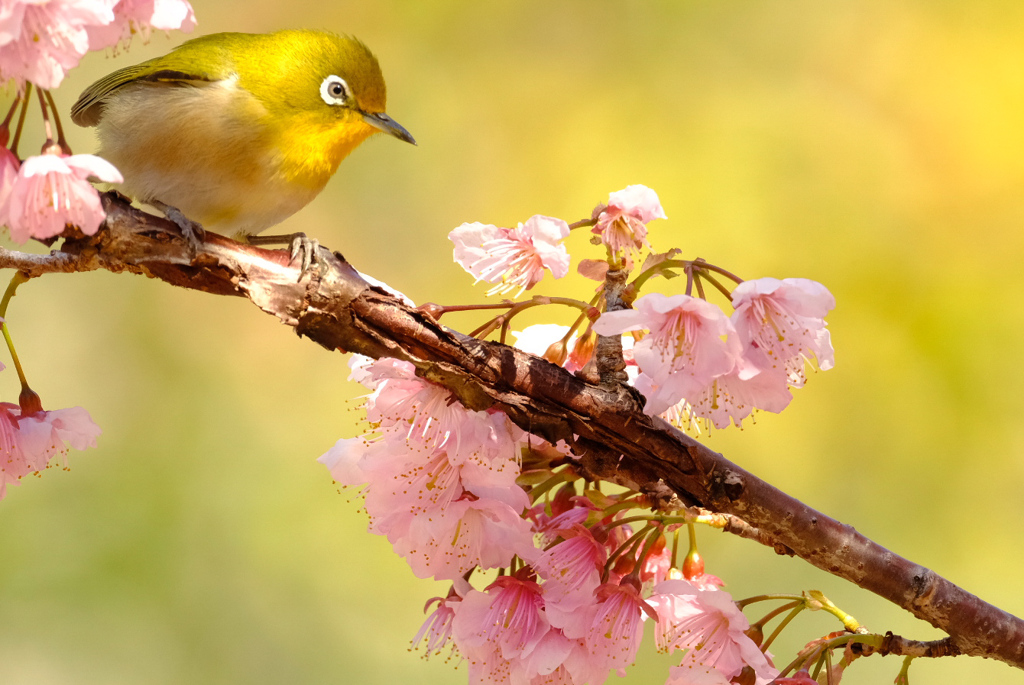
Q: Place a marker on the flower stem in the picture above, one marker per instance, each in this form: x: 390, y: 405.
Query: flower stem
x: 46, y: 118
x: 537, y: 491
x: 763, y: 598
x: 581, y: 223
x: 785, y: 622
x: 17, y: 280
x: 21, y: 118
x: 700, y: 287
x: 61, y: 140
x: 444, y: 309
x: 903, y: 678
x: 701, y: 264
x: 652, y: 539
x: 714, y: 281
x: 631, y: 542
x: 775, y: 612
x: 7, y: 119
x: 504, y: 320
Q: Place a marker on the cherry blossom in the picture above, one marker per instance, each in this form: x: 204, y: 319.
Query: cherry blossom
x: 508, y: 617
x: 685, y: 348
x: 512, y: 258
x: 141, y: 16
x: 52, y: 191
x: 616, y: 627
x: 708, y: 627
x: 437, y: 629
x: 29, y: 442
x: 409, y: 408
x: 622, y: 224
x: 504, y: 634
x: 40, y: 40
x: 733, y: 397
x: 572, y: 568
x: 781, y: 323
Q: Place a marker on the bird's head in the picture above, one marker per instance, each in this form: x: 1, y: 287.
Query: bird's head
x: 320, y: 87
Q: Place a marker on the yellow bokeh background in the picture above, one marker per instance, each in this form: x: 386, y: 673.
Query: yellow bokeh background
x: 875, y: 146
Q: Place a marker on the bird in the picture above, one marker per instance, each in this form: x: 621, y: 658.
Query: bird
x: 235, y: 132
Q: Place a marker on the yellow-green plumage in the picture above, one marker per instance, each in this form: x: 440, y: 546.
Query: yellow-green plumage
x: 233, y: 129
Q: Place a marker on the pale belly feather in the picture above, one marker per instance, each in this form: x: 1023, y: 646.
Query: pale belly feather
x: 203, y: 150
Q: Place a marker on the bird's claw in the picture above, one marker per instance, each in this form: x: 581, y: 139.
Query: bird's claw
x: 192, y: 231
x: 307, y: 250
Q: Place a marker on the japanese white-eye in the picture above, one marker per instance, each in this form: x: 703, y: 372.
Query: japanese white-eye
x: 238, y: 131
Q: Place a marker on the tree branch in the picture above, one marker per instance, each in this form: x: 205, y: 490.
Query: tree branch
x: 341, y: 311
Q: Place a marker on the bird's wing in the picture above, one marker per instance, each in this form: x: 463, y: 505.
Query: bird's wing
x: 173, y: 68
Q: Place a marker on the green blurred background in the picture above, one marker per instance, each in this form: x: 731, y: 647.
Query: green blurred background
x: 874, y: 146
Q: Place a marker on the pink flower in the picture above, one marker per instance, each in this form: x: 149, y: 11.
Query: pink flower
x: 655, y: 567
x: 512, y: 258
x: 428, y: 508
x: 504, y: 634
x: 685, y: 348
x: 622, y: 225
x: 572, y: 568
x: 437, y: 629
x: 565, y: 514
x: 781, y: 323
x: 616, y: 629
x: 412, y: 409
x: 731, y: 397
x: 509, y: 617
x: 27, y: 443
x: 40, y: 40
x: 141, y: 16
x: 468, y: 533
x: 440, y: 479
x: 51, y: 191
x: 708, y: 627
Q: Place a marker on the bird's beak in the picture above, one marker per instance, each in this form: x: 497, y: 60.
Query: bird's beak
x: 382, y: 121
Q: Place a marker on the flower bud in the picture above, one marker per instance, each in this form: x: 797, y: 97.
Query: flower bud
x: 557, y: 352
x: 562, y: 501
x: 746, y: 677
x: 624, y: 565
x: 29, y: 401
x: 693, y: 565
x: 583, y: 350
x: 432, y: 310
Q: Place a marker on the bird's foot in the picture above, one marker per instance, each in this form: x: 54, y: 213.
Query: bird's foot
x: 306, y: 250
x: 192, y: 231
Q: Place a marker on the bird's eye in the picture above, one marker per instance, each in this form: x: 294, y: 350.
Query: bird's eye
x: 334, y: 90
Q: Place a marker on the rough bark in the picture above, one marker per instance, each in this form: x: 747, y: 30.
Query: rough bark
x: 340, y: 311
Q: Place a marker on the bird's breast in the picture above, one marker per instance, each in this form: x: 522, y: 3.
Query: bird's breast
x: 212, y: 150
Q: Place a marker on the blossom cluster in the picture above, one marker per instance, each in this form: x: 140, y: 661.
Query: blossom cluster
x: 723, y: 367
x: 40, y: 40
x: 443, y: 483
x: 459, y: 492
x: 691, y: 360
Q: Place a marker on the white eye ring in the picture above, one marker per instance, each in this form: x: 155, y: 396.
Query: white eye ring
x: 334, y: 90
